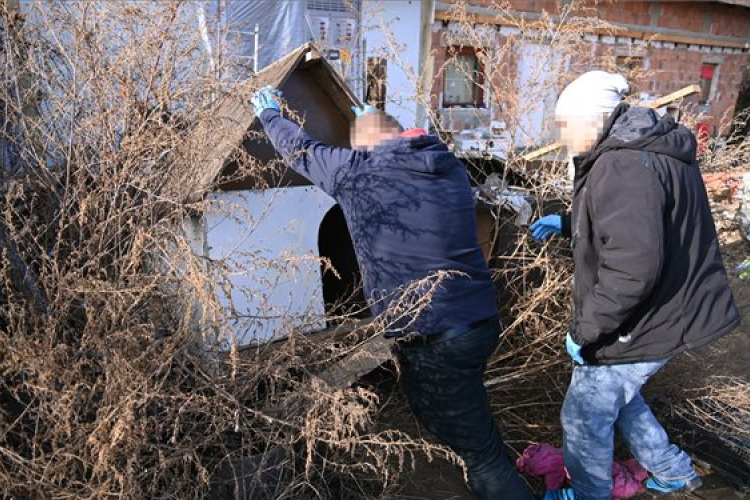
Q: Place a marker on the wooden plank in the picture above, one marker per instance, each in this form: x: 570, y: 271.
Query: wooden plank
x: 617, y: 30
x: 658, y: 103
x: 366, y: 358
x: 692, y: 40
x: 538, y: 153
x: 673, y: 97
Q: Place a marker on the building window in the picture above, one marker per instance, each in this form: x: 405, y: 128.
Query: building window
x: 463, y: 79
x: 708, y: 72
x: 345, y: 29
x: 377, y: 75
x: 629, y: 63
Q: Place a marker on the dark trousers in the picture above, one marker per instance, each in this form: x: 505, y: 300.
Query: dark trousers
x: 443, y: 382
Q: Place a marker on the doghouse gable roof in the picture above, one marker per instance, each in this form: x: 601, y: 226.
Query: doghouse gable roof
x: 232, y: 116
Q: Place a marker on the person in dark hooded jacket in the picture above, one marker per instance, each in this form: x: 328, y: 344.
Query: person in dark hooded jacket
x: 409, y: 207
x: 649, y: 281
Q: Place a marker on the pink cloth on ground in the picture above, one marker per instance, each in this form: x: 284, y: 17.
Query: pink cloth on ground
x: 545, y: 460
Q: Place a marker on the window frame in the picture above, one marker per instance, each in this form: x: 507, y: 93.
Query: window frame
x: 707, y: 91
x: 477, y: 85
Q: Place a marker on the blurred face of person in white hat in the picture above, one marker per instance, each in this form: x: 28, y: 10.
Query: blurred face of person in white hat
x: 584, y: 106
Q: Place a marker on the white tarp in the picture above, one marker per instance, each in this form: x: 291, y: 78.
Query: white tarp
x: 282, y: 27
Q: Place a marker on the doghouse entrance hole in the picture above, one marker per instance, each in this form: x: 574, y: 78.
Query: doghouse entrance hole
x: 342, y: 294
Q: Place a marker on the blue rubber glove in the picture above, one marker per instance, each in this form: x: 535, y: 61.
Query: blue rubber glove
x: 574, y: 350
x: 266, y: 98
x: 363, y: 110
x: 546, y: 227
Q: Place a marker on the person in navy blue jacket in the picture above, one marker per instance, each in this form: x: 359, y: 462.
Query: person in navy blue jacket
x: 410, y: 211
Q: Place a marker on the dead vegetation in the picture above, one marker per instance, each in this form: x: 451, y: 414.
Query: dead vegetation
x: 109, y: 384
x: 108, y: 387
x: 723, y: 407
x: 528, y: 376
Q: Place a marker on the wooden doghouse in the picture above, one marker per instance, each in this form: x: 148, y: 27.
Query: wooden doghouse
x: 283, y: 224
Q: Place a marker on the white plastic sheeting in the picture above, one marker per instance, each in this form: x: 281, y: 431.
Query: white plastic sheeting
x: 282, y: 27
x: 537, y: 66
x: 392, y: 32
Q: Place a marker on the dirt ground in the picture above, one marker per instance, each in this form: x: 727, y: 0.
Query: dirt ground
x: 439, y: 480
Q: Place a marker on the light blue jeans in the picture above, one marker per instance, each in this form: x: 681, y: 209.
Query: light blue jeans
x: 600, y: 398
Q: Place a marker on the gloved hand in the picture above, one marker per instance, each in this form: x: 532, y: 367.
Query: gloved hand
x: 266, y: 98
x: 363, y: 110
x: 574, y: 350
x: 546, y: 227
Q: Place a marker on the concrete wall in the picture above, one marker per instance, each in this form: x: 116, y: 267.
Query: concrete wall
x: 392, y: 30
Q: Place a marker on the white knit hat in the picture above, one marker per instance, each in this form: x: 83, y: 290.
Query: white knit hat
x: 592, y: 93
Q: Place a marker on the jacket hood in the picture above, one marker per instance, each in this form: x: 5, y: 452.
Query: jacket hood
x: 423, y: 153
x: 643, y: 130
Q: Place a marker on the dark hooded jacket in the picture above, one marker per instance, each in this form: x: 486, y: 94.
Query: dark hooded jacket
x: 649, y: 281
x: 410, y: 211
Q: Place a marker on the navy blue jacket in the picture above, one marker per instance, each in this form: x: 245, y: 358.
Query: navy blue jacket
x: 410, y: 211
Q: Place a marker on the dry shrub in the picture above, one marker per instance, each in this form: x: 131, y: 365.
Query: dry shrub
x: 729, y: 150
x: 108, y: 387
x: 721, y: 404
x: 723, y: 407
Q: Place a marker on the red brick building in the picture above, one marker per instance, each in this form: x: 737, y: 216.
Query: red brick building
x: 672, y: 43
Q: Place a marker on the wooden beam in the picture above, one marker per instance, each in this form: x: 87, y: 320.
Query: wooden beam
x: 693, y: 40
x: 658, y: 103
x: 538, y: 153
x: 673, y: 97
x: 344, y: 372
x: 366, y: 358
x: 503, y: 20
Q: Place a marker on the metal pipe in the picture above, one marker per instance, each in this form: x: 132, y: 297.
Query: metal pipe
x: 255, y: 49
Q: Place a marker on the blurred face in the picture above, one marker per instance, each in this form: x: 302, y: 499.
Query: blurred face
x: 580, y: 133
x: 372, y: 129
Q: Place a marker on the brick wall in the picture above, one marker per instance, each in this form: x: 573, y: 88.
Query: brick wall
x: 669, y: 66
x: 707, y: 17
x: 626, y: 12
x: 687, y: 17
x: 730, y: 20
